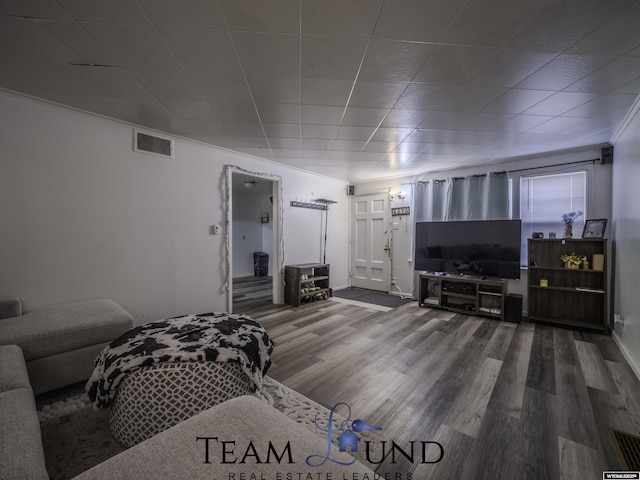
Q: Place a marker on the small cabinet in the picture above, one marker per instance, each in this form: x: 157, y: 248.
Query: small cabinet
x: 572, y: 297
x: 306, y: 282
x: 473, y: 296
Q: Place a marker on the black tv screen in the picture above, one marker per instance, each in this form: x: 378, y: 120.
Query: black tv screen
x: 478, y: 248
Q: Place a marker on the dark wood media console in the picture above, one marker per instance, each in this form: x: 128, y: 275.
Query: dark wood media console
x: 463, y: 294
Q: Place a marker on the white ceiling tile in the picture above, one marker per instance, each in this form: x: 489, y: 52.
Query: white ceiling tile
x: 222, y: 85
x: 489, y: 23
x: 346, y: 132
x: 364, y: 117
x: 559, y: 103
x: 206, y: 127
x: 326, y: 92
x: 609, y: 77
x: 279, y: 112
x: 200, y: 50
x: 517, y: 100
x: 340, y: 18
x: 508, y: 68
x: 393, y: 61
x: 453, y: 64
x: 564, y: 70
x: 331, y: 58
x: 522, y: 123
x: 405, y: 118
x: 268, y: 54
x: 319, y: 131
x: 134, y: 46
x: 186, y: 13
x: 321, y: 115
x: 192, y: 109
x: 376, y: 94
x: 244, y: 129
x: 419, y: 20
x: 237, y: 111
x: 168, y: 84
x: 616, y: 35
x: 37, y: 9
x: 275, y: 89
x: 282, y: 130
x: 117, y: 11
x: 281, y: 16
x: 390, y: 134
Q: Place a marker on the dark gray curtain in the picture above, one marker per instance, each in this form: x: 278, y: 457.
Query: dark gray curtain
x: 475, y: 197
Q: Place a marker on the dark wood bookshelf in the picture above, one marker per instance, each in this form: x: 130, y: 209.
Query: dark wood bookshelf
x: 573, y: 297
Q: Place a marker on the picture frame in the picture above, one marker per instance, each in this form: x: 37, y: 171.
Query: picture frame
x: 594, y: 228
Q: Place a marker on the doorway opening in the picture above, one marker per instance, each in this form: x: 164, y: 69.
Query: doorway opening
x: 254, y: 237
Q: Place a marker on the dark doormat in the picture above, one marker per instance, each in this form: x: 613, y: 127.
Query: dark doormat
x: 370, y: 296
x: 627, y: 449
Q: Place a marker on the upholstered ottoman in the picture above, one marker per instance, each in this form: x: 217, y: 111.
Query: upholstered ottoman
x: 161, y: 373
x: 153, y: 399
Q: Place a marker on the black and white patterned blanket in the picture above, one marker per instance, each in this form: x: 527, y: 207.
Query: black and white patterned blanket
x: 216, y: 337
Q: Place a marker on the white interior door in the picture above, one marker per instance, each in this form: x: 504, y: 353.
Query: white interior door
x: 370, y: 242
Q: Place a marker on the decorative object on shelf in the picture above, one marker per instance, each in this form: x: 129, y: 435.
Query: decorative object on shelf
x: 594, y: 228
x: 585, y: 263
x: 537, y: 235
x: 571, y: 261
x: 552, y: 234
x: 598, y: 261
x: 544, y: 282
x: 568, y: 219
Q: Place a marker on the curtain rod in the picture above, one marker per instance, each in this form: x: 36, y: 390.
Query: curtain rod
x: 556, y: 165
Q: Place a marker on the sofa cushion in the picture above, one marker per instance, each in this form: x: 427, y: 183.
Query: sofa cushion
x: 61, y: 328
x: 13, y: 370
x: 252, y: 425
x: 10, y: 307
x: 21, y: 452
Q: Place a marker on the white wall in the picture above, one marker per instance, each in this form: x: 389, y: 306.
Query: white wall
x: 626, y: 228
x: 83, y: 216
x: 599, y: 179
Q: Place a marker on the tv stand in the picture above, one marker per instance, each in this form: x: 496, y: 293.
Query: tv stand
x: 463, y: 294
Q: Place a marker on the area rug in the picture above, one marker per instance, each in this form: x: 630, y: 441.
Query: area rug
x: 76, y: 437
x: 370, y: 296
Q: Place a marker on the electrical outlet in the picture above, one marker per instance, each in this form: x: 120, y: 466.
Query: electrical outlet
x: 618, y: 318
x: 215, y: 229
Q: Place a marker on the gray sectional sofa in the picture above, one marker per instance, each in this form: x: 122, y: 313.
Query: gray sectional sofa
x: 60, y: 343
x: 241, y: 438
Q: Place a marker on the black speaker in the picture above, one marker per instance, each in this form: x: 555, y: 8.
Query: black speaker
x: 606, y: 155
x: 513, y: 308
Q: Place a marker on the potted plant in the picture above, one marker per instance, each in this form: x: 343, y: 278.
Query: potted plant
x: 572, y: 260
x: 568, y: 219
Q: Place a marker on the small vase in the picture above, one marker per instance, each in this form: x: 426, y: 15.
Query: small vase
x: 568, y: 230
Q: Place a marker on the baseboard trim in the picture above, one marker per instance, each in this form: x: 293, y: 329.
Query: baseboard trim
x: 633, y: 363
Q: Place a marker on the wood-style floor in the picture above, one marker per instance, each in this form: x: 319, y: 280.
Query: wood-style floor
x: 506, y: 401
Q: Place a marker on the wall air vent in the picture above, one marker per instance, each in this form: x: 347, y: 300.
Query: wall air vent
x: 144, y: 142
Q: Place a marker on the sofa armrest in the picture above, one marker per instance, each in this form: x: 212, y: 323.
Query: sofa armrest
x: 10, y: 307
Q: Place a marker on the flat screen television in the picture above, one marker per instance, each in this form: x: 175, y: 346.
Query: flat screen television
x: 478, y: 248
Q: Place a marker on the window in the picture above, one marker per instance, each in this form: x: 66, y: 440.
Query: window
x: 543, y: 200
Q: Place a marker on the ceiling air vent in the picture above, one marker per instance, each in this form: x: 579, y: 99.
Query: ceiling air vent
x: 143, y: 142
